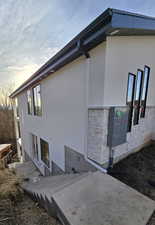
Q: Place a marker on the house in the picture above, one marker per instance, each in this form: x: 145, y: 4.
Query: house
x: 93, y: 103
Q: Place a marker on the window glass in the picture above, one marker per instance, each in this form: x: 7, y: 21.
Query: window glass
x: 37, y: 101
x: 16, y: 107
x: 145, y: 90
x: 18, y: 129
x: 145, y: 82
x: 35, y: 147
x: 130, y: 88
x: 130, y: 96
x: 138, y: 85
x: 29, y: 102
x: 45, y: 152
x: 138, y: 93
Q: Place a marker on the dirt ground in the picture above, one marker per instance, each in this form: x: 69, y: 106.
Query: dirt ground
x: 24, y: 212
x: 138, y: 171
x: 16, y: 208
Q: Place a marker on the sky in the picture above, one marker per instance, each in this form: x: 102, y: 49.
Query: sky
x: 32, y: 31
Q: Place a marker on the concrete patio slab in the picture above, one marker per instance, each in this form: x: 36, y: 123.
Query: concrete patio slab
x: 99, y: 199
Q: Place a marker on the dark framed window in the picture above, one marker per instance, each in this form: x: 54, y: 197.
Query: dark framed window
x: 45, y: 152
x: 35, y: 147
x: 145, y: 90
x: 18, y: 129
x: 29, y: 102
x: 16, y: 107
x: 138, y: 93
x: 130, y: 98
x: 37, y: 100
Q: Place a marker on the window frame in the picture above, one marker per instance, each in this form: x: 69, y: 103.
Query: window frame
x: 143, y: 101
x: 18, y: 129
x: 35, y: 101
x: 35, y: 147
x: 137, y: 101
x: 130, y: 103
x: 29, y: 102
x: 16, y: 108
x: 47, y: 164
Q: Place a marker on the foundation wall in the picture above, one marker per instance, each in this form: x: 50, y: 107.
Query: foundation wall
x: 97, y: 148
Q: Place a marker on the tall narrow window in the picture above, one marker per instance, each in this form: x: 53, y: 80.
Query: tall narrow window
x: 37, y: 101
x: 145, y: 90
x: 35, y: 147
x: 45, y: 152
x: 16, y: 107
x: 138, y: 93
x: 29, y: 102
x: 18, y: 129
x: 130, y: 98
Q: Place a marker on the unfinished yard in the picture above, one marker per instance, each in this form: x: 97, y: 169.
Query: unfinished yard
x: 138, y: 171
x: 16, y: 208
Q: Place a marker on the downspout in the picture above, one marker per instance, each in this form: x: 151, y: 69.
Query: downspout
x: 88, y: 62
x: 111, y: 159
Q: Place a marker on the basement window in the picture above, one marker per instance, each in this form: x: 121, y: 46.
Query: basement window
x: 29, y: 102
x: 130, y: 98
x: 35, y: 147
x: 37, y: 101
x: 138, y: 94
x: 145, y: 90
x: 45, y: 152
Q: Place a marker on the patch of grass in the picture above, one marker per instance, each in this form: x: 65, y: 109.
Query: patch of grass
x: 9, y: 184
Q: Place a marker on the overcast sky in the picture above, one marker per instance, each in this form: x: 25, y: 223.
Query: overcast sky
x: 31, y: 31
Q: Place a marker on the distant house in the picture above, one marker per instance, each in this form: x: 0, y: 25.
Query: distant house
x: 93, y: 103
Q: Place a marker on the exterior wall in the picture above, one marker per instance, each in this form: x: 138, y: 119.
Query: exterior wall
x: 63, y: 113
x: 96, y: 74
x: 64, y: 108
x: 98, y: 132
x: 123, y: 55
x: 100, y: 81
x: 75, y: 162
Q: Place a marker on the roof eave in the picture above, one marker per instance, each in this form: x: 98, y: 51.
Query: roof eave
x: 89, y: 39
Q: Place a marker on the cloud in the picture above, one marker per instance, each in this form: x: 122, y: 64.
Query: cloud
x: 32, y: 31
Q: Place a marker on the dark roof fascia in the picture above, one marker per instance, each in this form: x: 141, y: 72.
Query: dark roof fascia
x: 122, y: 12
x: 122, y: 19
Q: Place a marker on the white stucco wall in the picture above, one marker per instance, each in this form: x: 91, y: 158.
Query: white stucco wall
x: 68, y: 93
x: 64, y: 106
x: 96, y: 74
x: 123, y: 55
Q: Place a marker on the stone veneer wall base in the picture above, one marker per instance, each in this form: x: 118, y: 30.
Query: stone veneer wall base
x: 140, y: 135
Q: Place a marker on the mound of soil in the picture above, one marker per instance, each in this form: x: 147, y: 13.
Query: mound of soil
x: 138, y: 171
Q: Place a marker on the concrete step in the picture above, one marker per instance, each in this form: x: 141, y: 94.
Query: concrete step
x: 88, y: 198
x: 47, y: 186
x: 99, y: 199
x: 44, y: 188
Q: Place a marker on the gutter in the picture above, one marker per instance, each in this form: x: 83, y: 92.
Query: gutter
x: 89, y: 38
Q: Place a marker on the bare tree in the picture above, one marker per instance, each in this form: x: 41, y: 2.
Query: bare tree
x: 5, y: 91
